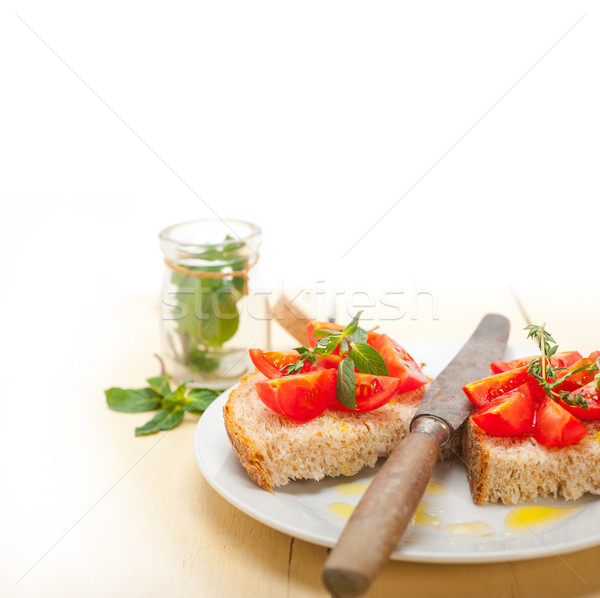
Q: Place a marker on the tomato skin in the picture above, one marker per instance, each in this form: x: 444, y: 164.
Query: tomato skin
x: 372, y: 392
x: 509, y: 414
x: 497, y: 367
x: 372, y: 338
x: 300, y: 397
x: 591, y: 393
x: 326, y: 362
x: 481, y: 392
x: 400, y: 364
x: 580, y: 378
x: 558, y: 360
x: 270, y: 363
x: 554, y: 426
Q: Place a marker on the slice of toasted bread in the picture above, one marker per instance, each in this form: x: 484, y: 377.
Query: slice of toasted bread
x: 275, y: 450
x: 518, y: 469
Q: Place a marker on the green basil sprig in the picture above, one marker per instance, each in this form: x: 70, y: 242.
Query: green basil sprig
x: 206, y: 312
x: 352, y: 341
x: 172, y: 405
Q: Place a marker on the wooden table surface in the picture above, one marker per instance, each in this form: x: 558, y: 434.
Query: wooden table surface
x: 88, y: 509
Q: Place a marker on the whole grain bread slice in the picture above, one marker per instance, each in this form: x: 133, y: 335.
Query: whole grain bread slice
x: 274, y: 450
x: 517, y: 469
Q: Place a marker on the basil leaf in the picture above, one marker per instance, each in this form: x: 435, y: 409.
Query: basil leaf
x: 344, y: 347
x: 353, y: 325
x: 160, y: 385
x: 368, y: 360
x: 345, y: 385
x: 319, y: 332
x: 132, y: 401
x: 165, y: 419
x: 358, y: 336
x: 328, y: 344
x: 199, y: 399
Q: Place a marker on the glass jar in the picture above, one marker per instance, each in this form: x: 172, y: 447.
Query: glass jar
x: 209, y: 318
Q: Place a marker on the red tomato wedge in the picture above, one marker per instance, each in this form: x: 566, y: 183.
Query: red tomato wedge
x: 481, y: 392
x: 591, y: 393
x: 270, y: 363
x: 558, y: 360
x: 554, y: 426
x: 509, y: 414
x: 400, y: 364
x: 579, y: 379
x: 326, y: 362
x: 373, y: 337
x: 372, y: 392
x: 300, y: 397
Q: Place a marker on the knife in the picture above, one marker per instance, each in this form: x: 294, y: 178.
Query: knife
x: 391, y: 499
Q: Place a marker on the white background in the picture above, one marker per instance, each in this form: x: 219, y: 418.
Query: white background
x: 450, y: 148
x: 411, y: 146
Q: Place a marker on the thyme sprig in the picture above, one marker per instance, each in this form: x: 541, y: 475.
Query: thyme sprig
x: 544, y: 372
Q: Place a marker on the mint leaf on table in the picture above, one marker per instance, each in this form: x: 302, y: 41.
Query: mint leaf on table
x: 160, y: 385
x: 345, y: 385
x: 132, y: 400
x: 171, y: 405
x: 165, y: 419
x: 177, y: 397
x: 367, y: 360
x: 199, y: 399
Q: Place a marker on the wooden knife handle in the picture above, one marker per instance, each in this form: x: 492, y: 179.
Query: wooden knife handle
x: 383, y: 513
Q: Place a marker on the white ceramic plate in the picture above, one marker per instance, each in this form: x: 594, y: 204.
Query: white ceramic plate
x: 448, y: 527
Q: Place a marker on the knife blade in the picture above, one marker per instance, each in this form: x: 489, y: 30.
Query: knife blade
x: 386, y: 508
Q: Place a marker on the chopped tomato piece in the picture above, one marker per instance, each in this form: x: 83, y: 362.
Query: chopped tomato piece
x: 509, y: 414
x: 325, y: 362
x: 579, y: 379
x: 400, y: 364
x: 371, y: 392
x: 554, y: 426
x: 271, y: 363
x: 481, y: 392
x: 591, y: 393
x: 372, y: 339
x: 300, y: 397
x: 497, y: 367
x: 558, y: 360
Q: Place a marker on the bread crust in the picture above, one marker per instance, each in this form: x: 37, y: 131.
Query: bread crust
x: 244, y: 447
x: 275, y: 450
x: 516, y: 469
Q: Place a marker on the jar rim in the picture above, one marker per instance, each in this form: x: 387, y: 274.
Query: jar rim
x: 167, y: 234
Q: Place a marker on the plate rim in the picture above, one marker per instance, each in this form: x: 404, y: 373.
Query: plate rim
x: 413, y: 554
